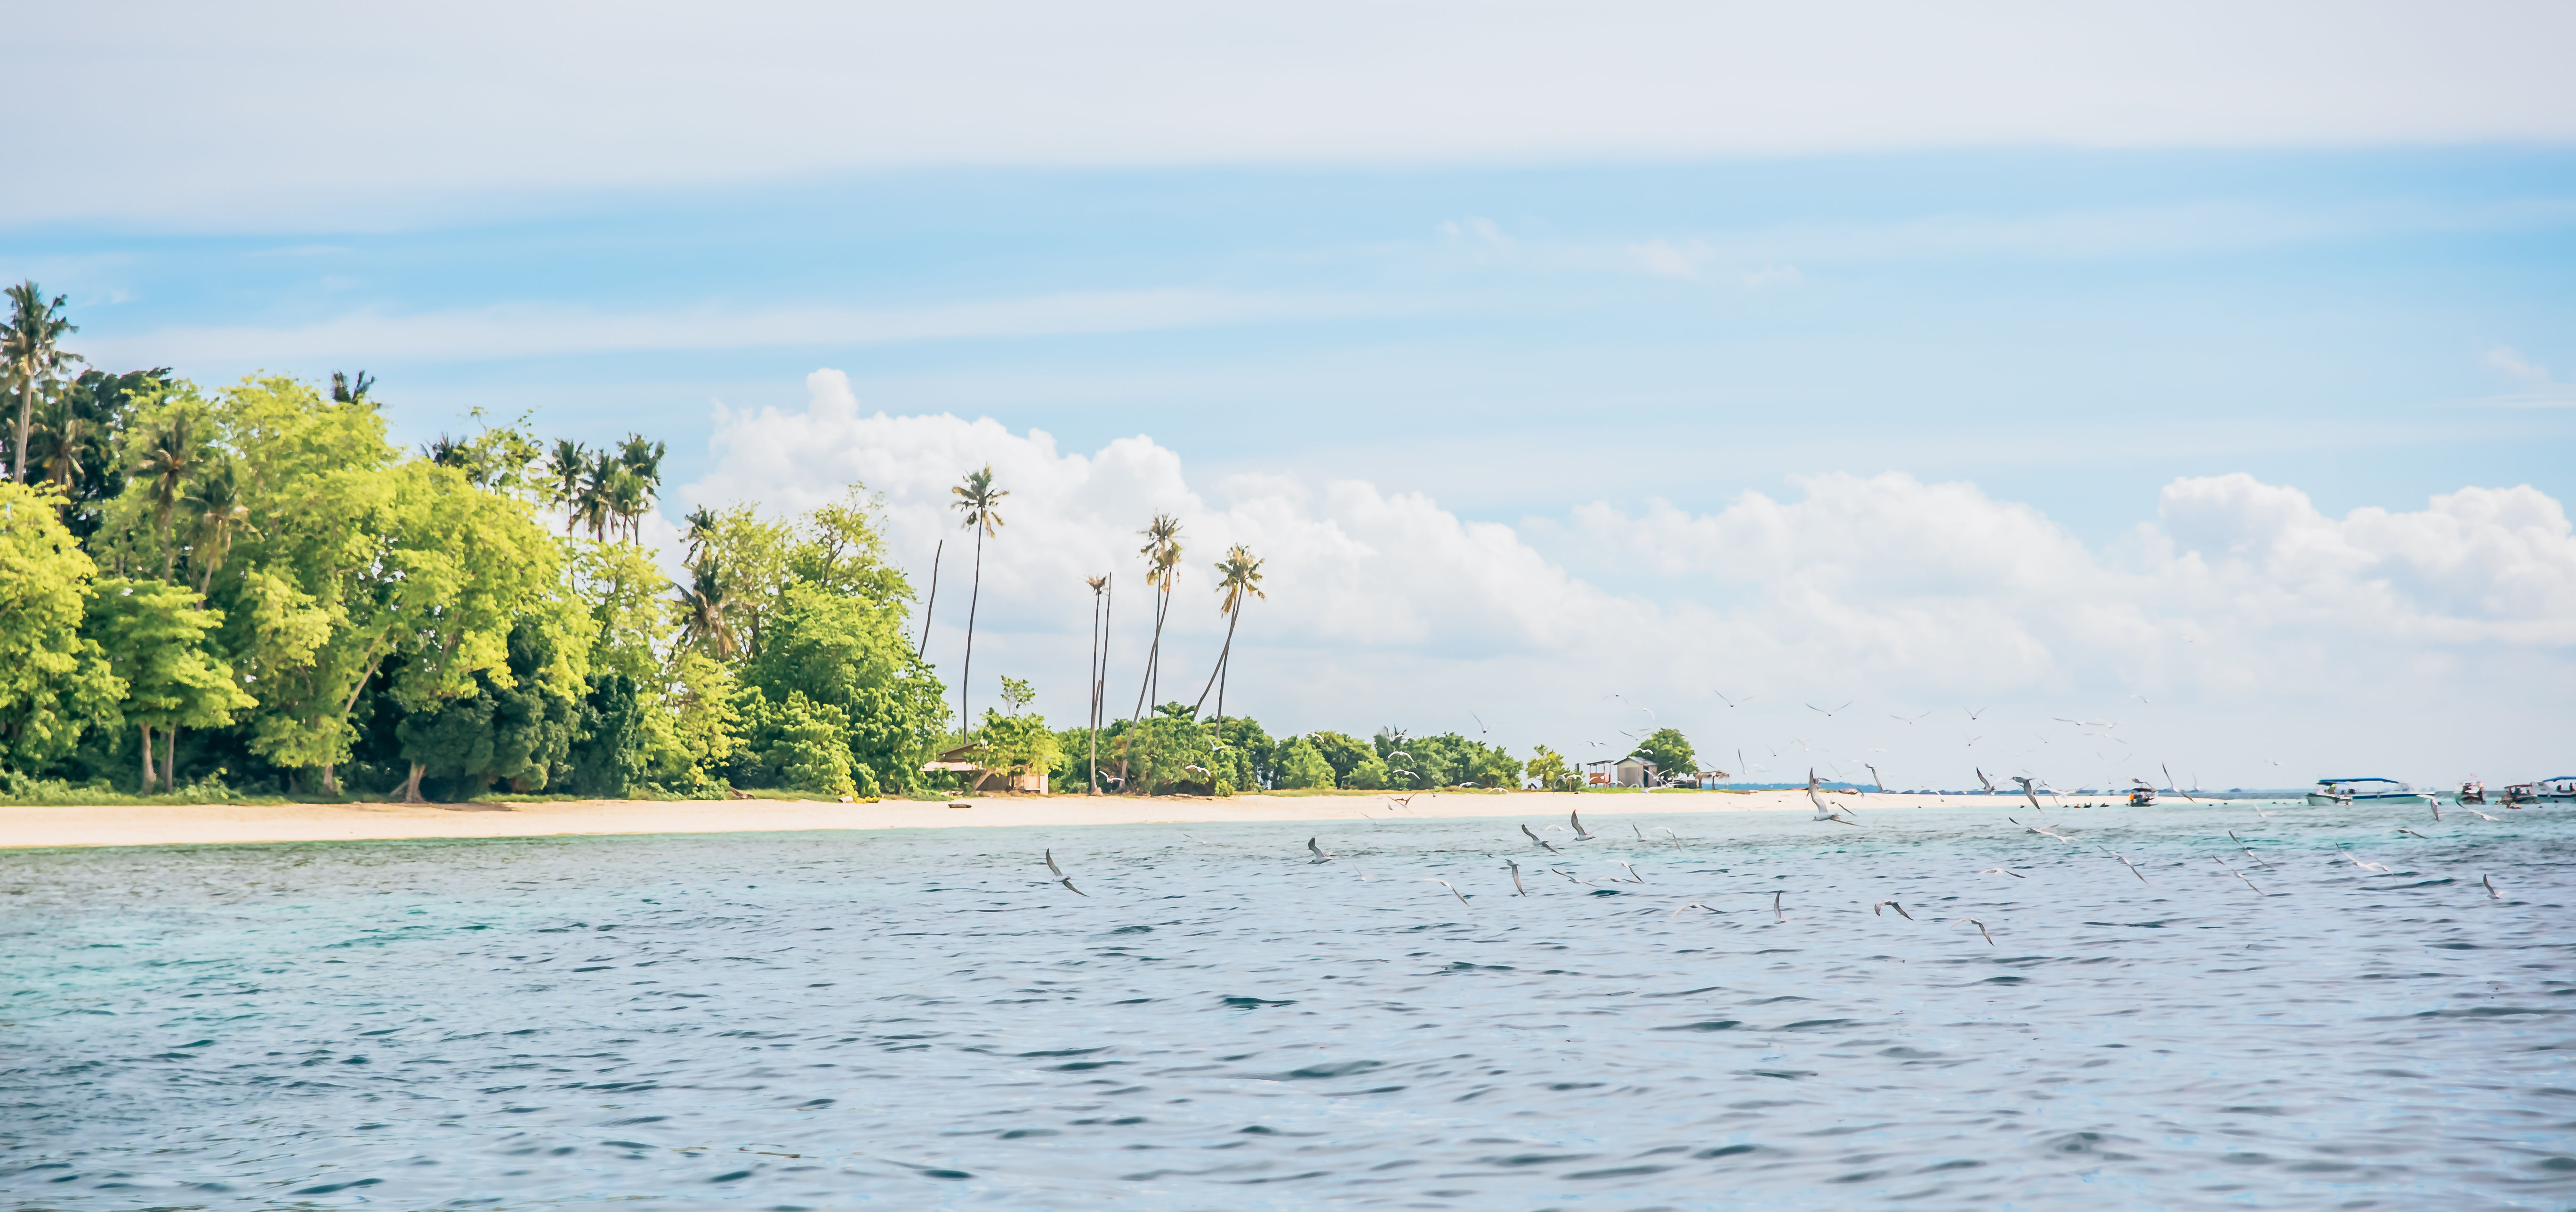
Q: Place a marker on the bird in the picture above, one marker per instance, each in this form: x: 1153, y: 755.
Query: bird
x: 1633, y: 877
x: 1903, y: 720
x: 2240, y: 844
x: 1517, y: 890
x: 2027, y: 793
x: 1733, y: 702
x: 1480, y: 723
x: 2411, y: 833
x: 1981, y: 777
x: 2041, y: 830
x: 1641, y: 834
x: 1900, y: 910
x: 1398, y: 801
x: 1196, y: 767
x: 1827, y: 714
x: 1978, y: 712
x: 1695, y: 905
x: 1874, y: 779
x: 1393, y: 754
x: 2169, y: 786
x: 1541, y: 841
x: 2000, y: 871
x: 1571, y: 877
x: 2133, y: 867
x: 1775, y: 908
x: 2234, y: 872
x: 1060, y: 876
x: 2381, y: 868
x: 1981, y: 929
x: 2437, y: 808
x: 1453, y: 891
x: 1321, y: 855
x: 1580, y: 833
x: 2475, y: 813
x: 1677, y: 838
x: 2489, y: 881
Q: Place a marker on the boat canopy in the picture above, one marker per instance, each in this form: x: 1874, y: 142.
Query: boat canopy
x: 2391, y: 782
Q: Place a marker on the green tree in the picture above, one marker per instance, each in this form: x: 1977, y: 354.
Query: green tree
x: 1162, y: 552
x: 1302, y: 766
x: 54, y: 682
x: 1015, y: 744
x: 1546, y: 767
x: 976, y: 498
x: 1670, y: 753
x: 810, y: 747
x: 518, y: 722
x: 31, y: 361
x: 1167, y: 750
x: 852, y: 654
x: 1343, y: 752
x: 155, y: 638
x: 706, y: 723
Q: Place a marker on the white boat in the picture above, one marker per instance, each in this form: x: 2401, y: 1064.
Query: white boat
x: 2472, y: 792
x: 2366, y: 791
x: 2560, y: 790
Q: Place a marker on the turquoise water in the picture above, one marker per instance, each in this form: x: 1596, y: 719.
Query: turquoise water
x: 926, y: 1019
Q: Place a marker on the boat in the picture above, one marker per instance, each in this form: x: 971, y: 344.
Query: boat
x: 2366, y: 791
x: 2559, y: 790
x: 2472, y: 792
x: 2142, y: 795
x: 2518, y: 794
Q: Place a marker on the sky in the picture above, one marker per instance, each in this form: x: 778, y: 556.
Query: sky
x: 2174, y: 385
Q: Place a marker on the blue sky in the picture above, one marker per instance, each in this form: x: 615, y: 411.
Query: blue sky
x: 1617, y: 284
x: 2083, y: 324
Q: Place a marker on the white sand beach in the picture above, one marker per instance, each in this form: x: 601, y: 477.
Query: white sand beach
x: 210, y: 824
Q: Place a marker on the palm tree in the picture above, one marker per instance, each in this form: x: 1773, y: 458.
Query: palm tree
x: 57, y: 439
x: 642, y: 461
x: 31, y: 358
x: 707, y: 608
x: 169, y: 459
x: 1162, y: 552
x: 1237, y: 574
x: 976, y: 498
x: 215, y: 505
x: 1099, y: 668
x: 346, y: 392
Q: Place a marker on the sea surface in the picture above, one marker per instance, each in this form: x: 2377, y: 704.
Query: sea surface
x: 927, y: 1019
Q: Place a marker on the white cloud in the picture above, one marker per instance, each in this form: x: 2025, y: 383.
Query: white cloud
x: 2252, y: 624
x: 2540, y: 389
x: 255, y: 111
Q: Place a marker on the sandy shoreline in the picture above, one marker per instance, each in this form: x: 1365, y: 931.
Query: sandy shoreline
x: 215, y: 824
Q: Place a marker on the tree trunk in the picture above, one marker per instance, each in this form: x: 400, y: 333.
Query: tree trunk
x: 932, y: 606
x: 170, y: 763
x: 147, y: 757
x: 1091, y: 721
x: 1153, y: 659
x: 1230, y: 617
x: 411, y: 786
x: 331, y: 777
x: 966, y: 679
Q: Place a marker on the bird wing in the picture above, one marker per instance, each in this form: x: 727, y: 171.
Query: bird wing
x: 1050, y: 860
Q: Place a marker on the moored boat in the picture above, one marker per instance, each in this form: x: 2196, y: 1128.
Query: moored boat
x: 2366, y: 791
x: 2472, y: 792
x: 2559, y: 790
x: 2142, y: 795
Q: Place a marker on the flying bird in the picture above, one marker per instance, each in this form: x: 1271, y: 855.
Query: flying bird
x: 2000, y: 871
x: 2238, y: 874
x: 1321, y: 855
x: 2381, y: 868
x: 1981, y: 777
x: 1775, y: 908
x: 2027, y: 793
x: 1061, y: 877
x: 1981, y: 929
x: 1827, y: 714
x: 1733, y: 702
x: 2133, y: 867
x: 2411, y: 833
x: 1480, y: 723
x: 2489, y: 881
x: 1580, y: 833
x: 1900, y: 910
x: 1540, y: 840
x: 1633, y: 877
x: 1453, y: 891
x: 1978, y: 712
x: 1694, y: 905
x: 1903, y: 720
x: 2249, y: 853
x: 1517, y: 890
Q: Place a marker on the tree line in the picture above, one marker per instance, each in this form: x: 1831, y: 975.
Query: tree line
x: 251, y: 590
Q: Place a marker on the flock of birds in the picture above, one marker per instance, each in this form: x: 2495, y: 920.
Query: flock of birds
x: 1576, y: 833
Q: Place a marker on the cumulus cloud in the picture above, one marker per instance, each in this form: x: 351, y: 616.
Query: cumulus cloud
x: 2240, y: 619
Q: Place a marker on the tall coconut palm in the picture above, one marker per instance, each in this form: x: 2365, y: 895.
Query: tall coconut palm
x: 58, y: 438
x: 642, y: 485
x: 570, y: 469
x: 1099, y: 669
x: 170, y: 458
x: 1238, y: 574
x: 1162, y: 552
x: 346, y: 391
x: 976, y: 499
x: 706, y: 608
x: 31, y: 359
x: 215, y: 510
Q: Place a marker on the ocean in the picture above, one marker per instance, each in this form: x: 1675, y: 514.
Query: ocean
x: 1215, y: 1020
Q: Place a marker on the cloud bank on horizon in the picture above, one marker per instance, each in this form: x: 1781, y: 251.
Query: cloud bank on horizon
x: 2238, y: 628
